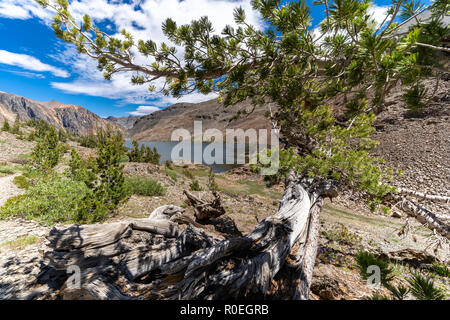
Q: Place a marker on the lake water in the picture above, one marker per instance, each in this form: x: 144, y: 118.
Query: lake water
x: 165, y: 148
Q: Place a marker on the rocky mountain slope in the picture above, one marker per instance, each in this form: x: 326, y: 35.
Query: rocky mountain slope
x: 159, y: 125
x: 126, y: 122
x: 73, y: 118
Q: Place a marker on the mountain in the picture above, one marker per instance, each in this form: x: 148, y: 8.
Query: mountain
x: 126, y: 122
x: 73, y: 118
x: 158, y: 126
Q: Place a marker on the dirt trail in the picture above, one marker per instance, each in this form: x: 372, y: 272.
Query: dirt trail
x: 8, y: 189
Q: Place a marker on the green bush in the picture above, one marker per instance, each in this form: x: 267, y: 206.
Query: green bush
x: 188, y: 173
x: 169, y: 165
x: 48, y: 151
x: 423, y: 288
x: 365, y: 259
x: 143, y: 186
x: 195, y: 186
x: 81, y: 170
x: 441, y: 269
x: 16, y: 127
x: 21, y: 182
x: 53, y: 199
x: 124, y: 158
x: 89, y: 141
x: 6, y: 127
x: 171, y: 173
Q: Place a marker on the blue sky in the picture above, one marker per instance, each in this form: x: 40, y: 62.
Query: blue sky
x: 37, y: 65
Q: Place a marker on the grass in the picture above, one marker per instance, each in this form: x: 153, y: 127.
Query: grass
x: 340, y: 233
x: 188, y: 173
x: 171, y: 173
x: 245, y: 187
x: 25, y: 156
x: 195, y: 186
x: 20, y: 242
x: 6, y: 169
x: 144, y: 187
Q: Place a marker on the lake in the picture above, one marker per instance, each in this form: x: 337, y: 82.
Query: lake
x: 229, y: 159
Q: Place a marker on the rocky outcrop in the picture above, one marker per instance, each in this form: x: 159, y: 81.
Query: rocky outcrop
x: 72, y: 118
x: 126, y: 122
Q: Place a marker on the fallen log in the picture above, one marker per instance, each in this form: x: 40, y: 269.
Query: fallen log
x: 425, y: 217
x: 425, y: 196
x: 161, y: 259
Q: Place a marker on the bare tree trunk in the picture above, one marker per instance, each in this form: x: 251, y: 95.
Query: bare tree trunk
x: 159, y: 259
x: 426, y: 217
x: 431, y: 197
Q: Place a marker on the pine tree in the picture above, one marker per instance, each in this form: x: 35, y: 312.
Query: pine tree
x: 6, y: 127
x: 109, y: 190
x: 135, y: 154
x: 16, y: 126
x: 47, y: 152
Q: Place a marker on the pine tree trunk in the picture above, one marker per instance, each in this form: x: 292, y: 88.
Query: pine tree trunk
x: 160, y: 259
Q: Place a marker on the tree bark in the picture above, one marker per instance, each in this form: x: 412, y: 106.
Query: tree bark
x: 160, y: 259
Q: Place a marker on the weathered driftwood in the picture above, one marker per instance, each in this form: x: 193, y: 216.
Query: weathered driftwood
x: 161, y: 259
x: 205, y: 210
x: 165, y: 212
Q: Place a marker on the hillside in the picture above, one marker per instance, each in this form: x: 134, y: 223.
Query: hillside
x: 159, y: 125
x: 73, y: 118
x: 126, y: 122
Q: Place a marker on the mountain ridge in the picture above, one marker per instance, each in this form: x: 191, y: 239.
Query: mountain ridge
x: 73, y: 118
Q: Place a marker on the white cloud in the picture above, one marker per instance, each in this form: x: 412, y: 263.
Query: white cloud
x: 144, y: 110
x: 30, y: 63
x: 143, y: 18
x: 23, y: 9
x: 379, y: 13
x: 144, y: 23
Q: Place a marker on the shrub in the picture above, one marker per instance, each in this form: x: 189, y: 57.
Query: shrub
x: 47, y: 153
x: 6, y: 127
x: 188, y: 173
x: 171, y: 173
x: 21, y: 182
x: 212, y: 185
x: 195, y: 186
x: 89, y: 141
x: 365, y: 259
x: 441, y: 269
x: 53, y: 199
x: 169, y: 165
x: 124, y: 158
x: 16, y: 127
x: 414, y: 98
x: 143, y: 186
x: 81, y: 170
x: 423, y: 288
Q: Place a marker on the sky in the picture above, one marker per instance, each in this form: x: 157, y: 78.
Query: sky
x: 37, y: 65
